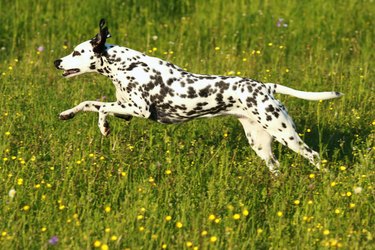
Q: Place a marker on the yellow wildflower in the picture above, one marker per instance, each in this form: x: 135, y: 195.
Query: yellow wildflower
x: 168, y: 171
x: 213, y: 239
x: 236, y: 216
x: 97, y: 243
x: 20, y: 181
x: 245, y: 212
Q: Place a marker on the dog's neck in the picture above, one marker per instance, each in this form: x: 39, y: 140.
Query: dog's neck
x: 114, y: 63
x: 116, y: 59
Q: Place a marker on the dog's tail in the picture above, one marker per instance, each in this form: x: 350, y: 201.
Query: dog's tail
x: 314, y: 96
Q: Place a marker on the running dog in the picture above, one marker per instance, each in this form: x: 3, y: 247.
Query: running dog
x: 152, y: 88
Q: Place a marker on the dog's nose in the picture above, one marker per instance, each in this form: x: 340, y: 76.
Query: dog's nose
x: 57, y: 63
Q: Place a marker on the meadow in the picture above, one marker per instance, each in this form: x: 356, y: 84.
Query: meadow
x: 196, y: 185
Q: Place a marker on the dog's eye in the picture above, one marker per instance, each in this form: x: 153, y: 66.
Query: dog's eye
x: 76, y: 53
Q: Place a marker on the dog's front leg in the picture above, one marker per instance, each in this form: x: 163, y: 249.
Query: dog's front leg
x: 119, y: 110
x: 92, y: 106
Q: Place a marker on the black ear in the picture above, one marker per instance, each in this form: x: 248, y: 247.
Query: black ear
x: 99, y: 40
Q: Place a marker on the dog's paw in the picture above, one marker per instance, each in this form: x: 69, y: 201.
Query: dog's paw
x: 275, y: 173
x: 105, y: 130
x: 66, y: 115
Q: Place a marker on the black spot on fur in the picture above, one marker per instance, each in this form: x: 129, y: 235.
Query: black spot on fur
x: 76, y: 53
x: 308, y: 149
x: 170, y: 81
x: 251, y: 102
x: 266, y: 98
x: 202, y: 104
x: 190, y: 81
x: 270, y: 108
x: 205, y: 91
x: 191, y: 93
x: 222, y: 86
x: 219, y: 98
x: 132, y: 66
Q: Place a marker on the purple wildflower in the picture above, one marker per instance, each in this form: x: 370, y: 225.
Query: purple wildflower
x: 40, y: 48
x: 53, y: 241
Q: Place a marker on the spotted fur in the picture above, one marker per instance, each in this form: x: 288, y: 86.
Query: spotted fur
x: 152, y: 88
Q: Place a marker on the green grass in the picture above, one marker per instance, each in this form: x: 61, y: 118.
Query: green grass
x: 72, y: 183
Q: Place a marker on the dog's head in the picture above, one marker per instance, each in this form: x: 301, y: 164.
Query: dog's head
x: 85, y: 56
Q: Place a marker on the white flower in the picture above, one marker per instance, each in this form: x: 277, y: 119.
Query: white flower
x: 12, y: 193
x: 357, y: 190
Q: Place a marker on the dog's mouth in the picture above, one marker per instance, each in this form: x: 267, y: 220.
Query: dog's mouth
x: 70, y: 72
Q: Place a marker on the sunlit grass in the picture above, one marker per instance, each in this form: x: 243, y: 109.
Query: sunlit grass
x: 197, y: 185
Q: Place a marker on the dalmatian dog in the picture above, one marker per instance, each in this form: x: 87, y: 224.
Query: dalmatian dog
x: 152, y: 88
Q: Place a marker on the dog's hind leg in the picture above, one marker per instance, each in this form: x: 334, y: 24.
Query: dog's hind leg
x: 295, y: 143
x: 260, y: 140
x: 282, y: 129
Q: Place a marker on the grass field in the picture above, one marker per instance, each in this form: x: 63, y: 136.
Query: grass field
x: 196, y: 185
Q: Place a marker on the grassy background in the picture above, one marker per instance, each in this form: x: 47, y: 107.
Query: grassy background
x: 195, y: 185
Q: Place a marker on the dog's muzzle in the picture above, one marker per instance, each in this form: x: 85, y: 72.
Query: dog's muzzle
x: 68, y: 72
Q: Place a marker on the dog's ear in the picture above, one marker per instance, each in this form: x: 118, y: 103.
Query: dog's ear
x: 99, y: 40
